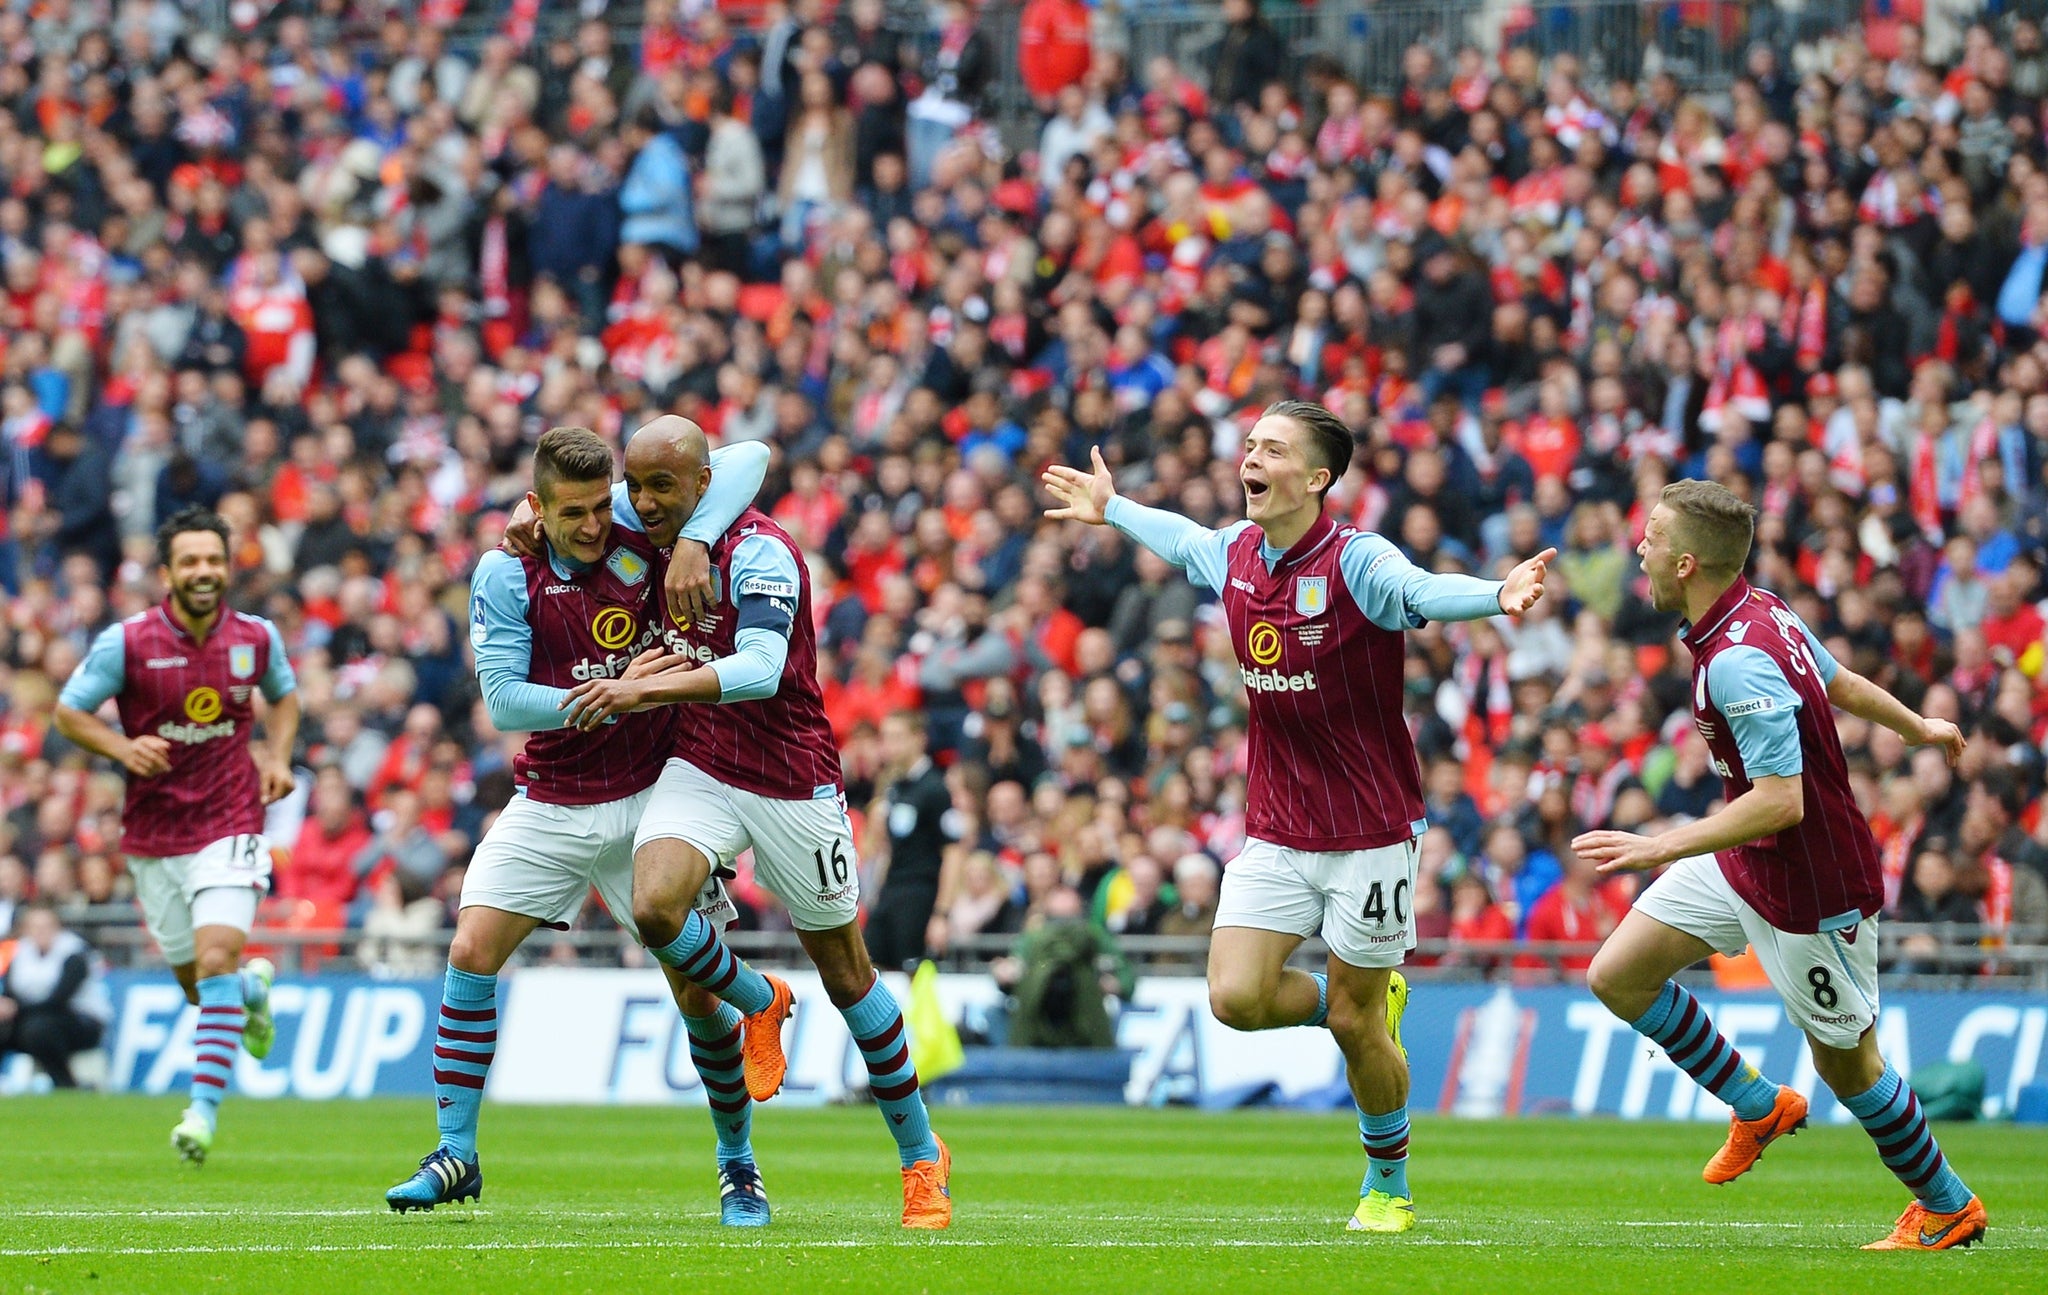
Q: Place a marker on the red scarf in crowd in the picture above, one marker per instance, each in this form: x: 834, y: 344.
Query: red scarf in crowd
x: 1923, y: 489
x: 1806, y: 322
x: 1995, y: 908
x: 1492, y: 699
x: 1983, y: 445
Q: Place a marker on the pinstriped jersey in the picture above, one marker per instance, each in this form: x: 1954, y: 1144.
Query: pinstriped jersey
x: 198, y: 697
x: 779, y: 746
x: 590, y: 625
x: 1332, y: 762
x: 1823, y: 872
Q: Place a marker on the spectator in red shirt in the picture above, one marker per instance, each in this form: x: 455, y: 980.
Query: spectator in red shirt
x: 1476, y: 918
x: 2011, y: 622
x: 1578, y: 909
x: 811, y: 508
x: 1550, y: 440
x: 277, y: 321
x: 405, y: 761
x: 1052, y: 46
x: 876, y: 690
x: 334, y: 833
x: 1050, y: 629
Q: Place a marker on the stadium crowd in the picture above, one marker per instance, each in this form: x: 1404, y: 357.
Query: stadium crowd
x: 333, y: 278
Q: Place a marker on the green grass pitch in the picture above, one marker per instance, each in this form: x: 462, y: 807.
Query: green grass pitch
x: 1047, y: 1200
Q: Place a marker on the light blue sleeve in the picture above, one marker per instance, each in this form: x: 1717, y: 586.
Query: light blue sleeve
x: 98, y: 677
x: 766, y: 586
x: 278, y: 679
x: 737, y: 472
x: 754, y: 670
x: 1395, y: 594
x: 1762, y: 711
x: 503, y: 641
x: 623, y: 515
x: 1202, y: 553
x: 1823, y: 660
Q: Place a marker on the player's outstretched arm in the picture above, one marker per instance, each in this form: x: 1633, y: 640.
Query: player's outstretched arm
x: 1772, y: 804
x: 1395, y: 594
x: 1091, y: 497
x: 1865, y: 700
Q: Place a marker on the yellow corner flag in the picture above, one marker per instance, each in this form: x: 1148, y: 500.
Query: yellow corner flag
x: 934, y: 1043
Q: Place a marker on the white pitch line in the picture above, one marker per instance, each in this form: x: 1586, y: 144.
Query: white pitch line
x: 517, y: 1215
x: 543, y: 1212
x: 1248, y: 1243
x: 692, y: 1244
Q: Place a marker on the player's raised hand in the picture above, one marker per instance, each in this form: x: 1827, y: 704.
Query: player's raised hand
x: 1941, y: 733
x: 688, y: 584
x: 1083, y: 496
x: 1613, y: 852
x: 522, y: 532
x: 147, y: 756
x: 1524, y: 584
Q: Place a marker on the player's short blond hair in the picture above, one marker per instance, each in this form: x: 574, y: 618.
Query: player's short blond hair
x: 1710, y: 522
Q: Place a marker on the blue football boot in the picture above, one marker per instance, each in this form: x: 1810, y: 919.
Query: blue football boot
x: 442, y: 1178
x: 742, y: 1198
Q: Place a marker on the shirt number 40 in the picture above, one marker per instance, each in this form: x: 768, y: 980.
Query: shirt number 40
x: 1376, y: 903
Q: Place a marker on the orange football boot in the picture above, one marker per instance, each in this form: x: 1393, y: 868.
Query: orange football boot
x: 1920, y: 1228
x: 1748, y: 1138
x: 761, y: 1048
x: 927, y: 1201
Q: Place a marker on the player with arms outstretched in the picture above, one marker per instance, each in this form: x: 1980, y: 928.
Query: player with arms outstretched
x: 755, y: 767
x: 578, y: 608
x: 1789, y: 868
x: 183, y: 677
x: 1317, y: 614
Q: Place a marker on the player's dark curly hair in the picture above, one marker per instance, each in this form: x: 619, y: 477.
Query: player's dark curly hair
x: 191, y: 518
x: 1334, y: 444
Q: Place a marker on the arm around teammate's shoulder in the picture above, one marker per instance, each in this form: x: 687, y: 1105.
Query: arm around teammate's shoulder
x: 737, y: 472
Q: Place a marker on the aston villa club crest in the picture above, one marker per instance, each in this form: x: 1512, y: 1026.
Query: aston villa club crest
x: 628, y: 566
x: 242, y: 660
x: 1311, y: 595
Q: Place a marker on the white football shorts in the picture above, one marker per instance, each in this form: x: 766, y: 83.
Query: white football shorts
x: 540, y: 860
x: 1827, y: 980
x: 221, y: 880
x: 1362, y: 901
x: 803, y: 849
